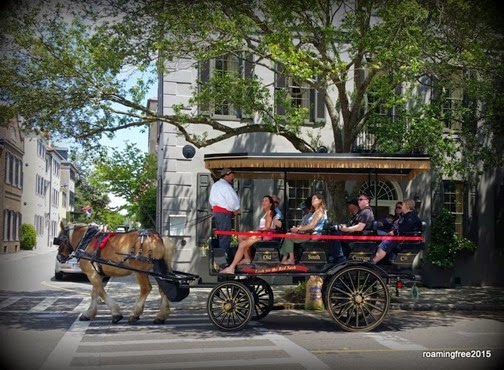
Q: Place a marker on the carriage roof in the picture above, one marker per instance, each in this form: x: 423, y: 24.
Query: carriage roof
x: 324, y: 166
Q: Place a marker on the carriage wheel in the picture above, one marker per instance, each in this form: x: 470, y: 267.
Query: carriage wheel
x: 263, y: 297
x: 357, y: 298
x: 229, y: 305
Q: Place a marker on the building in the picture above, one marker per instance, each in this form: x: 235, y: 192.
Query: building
x: 184, y: 183
x: 42, y: 196
x: 11, y: 185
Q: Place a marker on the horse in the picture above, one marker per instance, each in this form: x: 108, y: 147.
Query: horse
x: 141, y: 250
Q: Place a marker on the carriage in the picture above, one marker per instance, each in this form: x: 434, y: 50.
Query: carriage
x: 355, y: 292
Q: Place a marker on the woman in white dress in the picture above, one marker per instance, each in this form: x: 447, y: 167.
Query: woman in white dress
x: 242, y: 256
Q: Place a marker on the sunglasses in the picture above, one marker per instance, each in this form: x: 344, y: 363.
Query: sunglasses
x: 398, y: 207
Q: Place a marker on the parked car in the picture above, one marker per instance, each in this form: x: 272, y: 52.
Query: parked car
x: 69, y: 267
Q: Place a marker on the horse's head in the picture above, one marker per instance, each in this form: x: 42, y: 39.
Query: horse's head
x: 68, y: 239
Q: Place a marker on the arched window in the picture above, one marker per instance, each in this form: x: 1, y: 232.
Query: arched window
x: 382, y: 191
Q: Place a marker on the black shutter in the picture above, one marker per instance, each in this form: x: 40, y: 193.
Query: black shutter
x: 320, y: 109
x: 204, y: 76
x: 203, y: 211
x: 280, y: 84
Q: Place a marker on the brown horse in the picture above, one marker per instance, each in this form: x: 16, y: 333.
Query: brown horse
x: 141, y: 250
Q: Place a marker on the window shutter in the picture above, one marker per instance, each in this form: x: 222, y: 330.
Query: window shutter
x: 320, y: 106
x: 204, y: 76
x: 280, y: 84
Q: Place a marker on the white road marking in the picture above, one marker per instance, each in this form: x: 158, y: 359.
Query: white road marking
x: 42, y: 306
x: 63, y: 353
x: 394, y: 342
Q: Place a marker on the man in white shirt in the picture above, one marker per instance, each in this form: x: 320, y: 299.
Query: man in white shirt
x: 225, y: 203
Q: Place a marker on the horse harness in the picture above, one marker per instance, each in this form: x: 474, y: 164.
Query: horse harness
x: 102, y: 238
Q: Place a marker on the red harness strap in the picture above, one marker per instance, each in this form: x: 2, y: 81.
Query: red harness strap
x: 102, y: 242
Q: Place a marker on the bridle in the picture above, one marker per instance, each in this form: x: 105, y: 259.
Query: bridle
x: 63, y: 241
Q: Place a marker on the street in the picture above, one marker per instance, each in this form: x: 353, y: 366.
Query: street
x: 41, y: 330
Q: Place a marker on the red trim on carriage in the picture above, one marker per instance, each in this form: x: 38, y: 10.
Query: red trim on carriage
x: 275, y: 269
x: 322, y: 237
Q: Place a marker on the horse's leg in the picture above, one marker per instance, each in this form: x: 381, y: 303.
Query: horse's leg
x: 98, y: 291
x: 93, y: 307
x: 164, y: 309
x: 145, y: 289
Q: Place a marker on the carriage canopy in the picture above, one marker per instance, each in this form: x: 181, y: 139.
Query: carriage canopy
x: 324, y: 166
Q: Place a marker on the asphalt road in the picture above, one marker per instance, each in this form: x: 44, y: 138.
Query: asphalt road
x: 40, y: 330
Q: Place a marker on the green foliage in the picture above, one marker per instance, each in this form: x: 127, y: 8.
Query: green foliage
x: 130, y: 174
x: 67, y: 69
x: 295, y: 294
x: 445, y: 245
x: 28, y: 236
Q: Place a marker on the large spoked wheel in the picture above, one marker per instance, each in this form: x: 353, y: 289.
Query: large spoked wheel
x: 229, y: 305
x: 263, y: 297
x: 358, y: 298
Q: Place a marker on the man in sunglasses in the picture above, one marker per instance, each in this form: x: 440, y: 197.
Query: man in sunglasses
x: 362, y: 221
x: 364, y: 218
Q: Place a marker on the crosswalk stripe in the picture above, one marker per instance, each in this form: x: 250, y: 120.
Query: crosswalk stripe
x: 8, y: 301
x: 44, y: 304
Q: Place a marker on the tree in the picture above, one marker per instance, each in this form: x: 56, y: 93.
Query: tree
x: 130, y: 174
x: 28, y: 238
x: 67, y: 75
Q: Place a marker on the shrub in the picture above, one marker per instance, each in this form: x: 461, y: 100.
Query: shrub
x: 28, y: 237
x: 295, y: 294
x: 445, y: 244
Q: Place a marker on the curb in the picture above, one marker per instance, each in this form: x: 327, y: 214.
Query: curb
x: 411, y: 307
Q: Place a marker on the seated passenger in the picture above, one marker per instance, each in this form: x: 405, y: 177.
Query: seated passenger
x: 316, y: 224
x: 385, y: 225
x: 361, y: 221
x: 408, y: 224
x: 306, y: 208
x: 242, y: 255
x: 394, y: 225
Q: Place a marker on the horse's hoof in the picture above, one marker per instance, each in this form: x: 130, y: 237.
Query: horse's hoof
x: 84, y: 318
x: 116, y: 318
x: 158, y: 322
x: 133, y: 319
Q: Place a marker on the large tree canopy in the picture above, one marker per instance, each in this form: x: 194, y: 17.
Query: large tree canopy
x: 67, y: 70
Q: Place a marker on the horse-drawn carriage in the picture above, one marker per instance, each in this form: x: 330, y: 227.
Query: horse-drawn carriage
x: 355, y: 292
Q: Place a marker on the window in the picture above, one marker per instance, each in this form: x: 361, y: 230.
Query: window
x: 41, y: 150
x: 301, y: 95
x: 450, y: 101
x: 297, y: 193
x: 12, y: 225
x: 39, y: 224
x: 6, y: 225
x: 219, y: 67
x: 380, y: 190
x: 453, y: 200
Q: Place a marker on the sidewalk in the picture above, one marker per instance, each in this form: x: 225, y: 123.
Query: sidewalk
x: 27, y: 253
